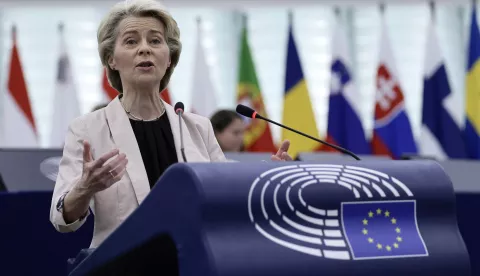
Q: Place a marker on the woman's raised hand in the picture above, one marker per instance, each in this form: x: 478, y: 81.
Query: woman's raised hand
x: 97, y: 174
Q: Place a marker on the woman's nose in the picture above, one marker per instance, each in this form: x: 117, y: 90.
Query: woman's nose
x: 144, y: 48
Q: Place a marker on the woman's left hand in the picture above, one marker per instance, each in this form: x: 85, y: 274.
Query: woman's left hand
x: 282, y: 154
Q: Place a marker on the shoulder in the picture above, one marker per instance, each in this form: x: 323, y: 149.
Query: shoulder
x: 89, y: 119
x: 191, y: 118
x: 196, y: 118
x: 198, y: 122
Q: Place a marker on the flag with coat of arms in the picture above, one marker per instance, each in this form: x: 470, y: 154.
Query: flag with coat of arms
x: 392, y: 134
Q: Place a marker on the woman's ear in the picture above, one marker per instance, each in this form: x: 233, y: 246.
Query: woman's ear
x: 111, y: 63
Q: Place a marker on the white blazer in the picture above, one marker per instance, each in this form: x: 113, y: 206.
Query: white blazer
x: 110, y: 128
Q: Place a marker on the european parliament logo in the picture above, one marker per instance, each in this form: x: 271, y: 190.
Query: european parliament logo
x: 336, y: 212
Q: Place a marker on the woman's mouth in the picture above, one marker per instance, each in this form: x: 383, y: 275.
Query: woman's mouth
x: 145, y: 65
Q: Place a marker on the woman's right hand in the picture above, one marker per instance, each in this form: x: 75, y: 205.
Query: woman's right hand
x: 97, y: 174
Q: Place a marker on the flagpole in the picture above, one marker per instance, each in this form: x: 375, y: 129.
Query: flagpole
x: 290, y: 18
x: 337, y: 12
x: 244, y: 20
x: 199, y: 22
x: 60, y: 27
x: 432, y: 10
x: 14, y: 33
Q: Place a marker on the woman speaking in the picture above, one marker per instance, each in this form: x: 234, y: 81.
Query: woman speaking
x: 113, y: 156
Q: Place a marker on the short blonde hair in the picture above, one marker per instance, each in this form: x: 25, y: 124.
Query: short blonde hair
x: 107, y: 34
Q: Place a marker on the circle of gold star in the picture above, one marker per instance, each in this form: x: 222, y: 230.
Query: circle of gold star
x: 386, y: 215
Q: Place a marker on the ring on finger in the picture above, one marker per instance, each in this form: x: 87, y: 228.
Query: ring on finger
x: 111, y: 173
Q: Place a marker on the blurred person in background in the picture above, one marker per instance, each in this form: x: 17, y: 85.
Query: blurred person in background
x: 113, y: 156
x: 229, y: 129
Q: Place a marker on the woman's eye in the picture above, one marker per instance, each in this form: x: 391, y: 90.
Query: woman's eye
x: 156, y: 41
x: 130, y: 41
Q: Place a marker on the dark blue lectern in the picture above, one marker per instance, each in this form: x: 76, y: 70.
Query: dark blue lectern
x: 290, y: 218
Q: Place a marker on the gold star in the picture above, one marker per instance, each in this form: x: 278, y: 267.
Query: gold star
x: 394, y: 221
x: 379, y: 246
x: 395, y: 245
x: 370, y: 240
x: 365, y: 231
x: 387, y: 214
x: 365, y: 222
x: 370, y: 214
x: 388, y: 248
x: 379, y: 211
x: 399, y: 239
x: 397, y: 230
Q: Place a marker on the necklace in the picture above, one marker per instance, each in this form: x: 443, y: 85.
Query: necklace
x: 140, y: 119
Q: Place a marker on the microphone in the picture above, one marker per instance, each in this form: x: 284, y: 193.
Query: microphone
x: 179, y: 109
x: 250, y: 113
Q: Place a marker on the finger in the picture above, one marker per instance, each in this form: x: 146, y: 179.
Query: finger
x: 275, y: 158
x: 111, y: 165
x: 286, y: 157
x: 285, y: 145
x: 105, y: 175
x: 114, y: 177
x: 120, y: 174
x: 104, y: 158
x: 283, y: 148
x: 86, y: 152
x: 122, y: 165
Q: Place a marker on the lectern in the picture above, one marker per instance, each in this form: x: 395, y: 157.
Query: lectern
x: 290, y: 218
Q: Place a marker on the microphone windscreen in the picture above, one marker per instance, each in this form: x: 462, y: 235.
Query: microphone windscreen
x: 179, y: 105
x: 245, y: 111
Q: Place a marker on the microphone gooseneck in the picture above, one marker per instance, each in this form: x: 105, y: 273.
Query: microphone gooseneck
x: 179, y: 109
x: 250, y: 113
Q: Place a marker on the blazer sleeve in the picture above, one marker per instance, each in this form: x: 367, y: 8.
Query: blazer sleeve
x: 70, y: 171
x: 214, y: 150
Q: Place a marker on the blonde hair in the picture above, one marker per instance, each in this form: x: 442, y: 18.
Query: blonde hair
x: 107, y: 35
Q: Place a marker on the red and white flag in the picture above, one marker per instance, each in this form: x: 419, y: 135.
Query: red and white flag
x: 110, y: 93
x: 204, y: 102
x: 19, y: 124
x: 66, y: 106
x: 166, y: 96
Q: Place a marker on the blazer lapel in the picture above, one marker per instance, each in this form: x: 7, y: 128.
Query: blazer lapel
x: 125, y: 140
x: 191, y: 151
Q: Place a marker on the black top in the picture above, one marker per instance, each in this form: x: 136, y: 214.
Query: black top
x: 155, y: 140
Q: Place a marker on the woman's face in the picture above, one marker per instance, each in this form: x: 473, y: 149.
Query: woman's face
x: 141, y: 54
x: 231, y: 138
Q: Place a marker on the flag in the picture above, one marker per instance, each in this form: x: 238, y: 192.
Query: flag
x: 19, y: 123
x: 66, y: 106
x: 392, y: 134
x: 297, y: 107
x: 344, y: 125
x: 472, y: 98
x: 204, y: 102
x: 441, y: 136
x: 111, y: 93
x: 165, y: 95
x: 382, y: 229
x: 257, y: 137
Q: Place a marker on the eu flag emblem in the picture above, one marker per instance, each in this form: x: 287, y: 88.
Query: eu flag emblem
x: 382, y: 229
